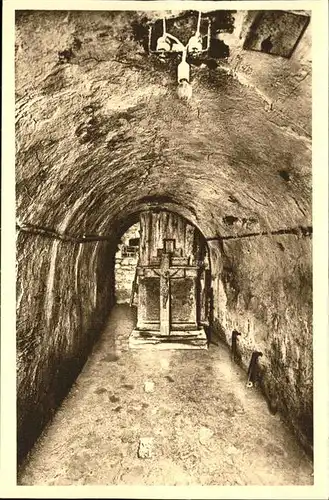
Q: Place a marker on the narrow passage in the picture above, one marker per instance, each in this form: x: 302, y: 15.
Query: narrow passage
x: 205, y: 426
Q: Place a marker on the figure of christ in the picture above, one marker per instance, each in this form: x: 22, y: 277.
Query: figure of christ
x: 164, y: 285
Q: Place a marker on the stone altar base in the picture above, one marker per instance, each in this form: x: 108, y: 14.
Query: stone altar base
x: 146, y: 339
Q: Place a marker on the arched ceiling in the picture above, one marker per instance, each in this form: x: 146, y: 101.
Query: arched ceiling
x: 101, y: 133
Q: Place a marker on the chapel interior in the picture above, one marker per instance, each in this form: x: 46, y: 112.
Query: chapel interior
x: 164, y: 247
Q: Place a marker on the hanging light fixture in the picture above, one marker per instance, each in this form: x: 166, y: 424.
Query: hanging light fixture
x: 183, y: 69
x: 168, y: 43
x: 195, y: 42
x: 184, y: 90
x: 163, y: 43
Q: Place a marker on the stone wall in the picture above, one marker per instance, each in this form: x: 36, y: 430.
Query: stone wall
x: 64, y: 294
x: 125, y: 269
x: 264, y: 291
x: 132, y: 233
x: 125, y: 266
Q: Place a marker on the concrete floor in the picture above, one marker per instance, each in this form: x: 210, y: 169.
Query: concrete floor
x: 207, y: 427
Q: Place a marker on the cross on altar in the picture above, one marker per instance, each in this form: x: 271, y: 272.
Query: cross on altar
x: 162, y: 267
x: 165, y: 274
x: 167, y: 300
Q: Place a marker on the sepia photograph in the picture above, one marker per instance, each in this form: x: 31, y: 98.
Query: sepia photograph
x: 164, y: 245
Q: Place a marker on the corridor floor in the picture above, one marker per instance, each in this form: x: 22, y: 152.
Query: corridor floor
x: 207, y: 427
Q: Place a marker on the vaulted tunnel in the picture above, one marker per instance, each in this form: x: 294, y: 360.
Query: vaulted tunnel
x: 101, y: 136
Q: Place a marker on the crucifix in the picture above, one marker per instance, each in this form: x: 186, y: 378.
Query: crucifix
x: 168, y: 308
x: 165, y: 275
x: 163, y: 267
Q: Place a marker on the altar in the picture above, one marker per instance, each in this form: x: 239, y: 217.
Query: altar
x: 170, y: 271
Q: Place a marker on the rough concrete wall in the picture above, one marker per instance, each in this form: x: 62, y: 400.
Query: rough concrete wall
x: 107, y: 120
x: 265, y: 293
x: 284, y: 83
x: 63, y: 295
